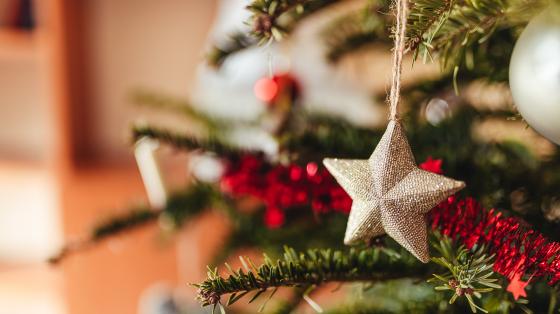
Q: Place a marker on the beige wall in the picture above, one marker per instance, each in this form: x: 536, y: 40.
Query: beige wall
x: 139, y: 43
x: 23, y: 123
x: 124, y: 44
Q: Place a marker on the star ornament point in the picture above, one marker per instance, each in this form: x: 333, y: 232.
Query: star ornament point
x: 390, y: 194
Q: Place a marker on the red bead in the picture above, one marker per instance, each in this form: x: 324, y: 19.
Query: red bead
x: 296, y: 173
x: 274, y: 218
x: 312, y: 169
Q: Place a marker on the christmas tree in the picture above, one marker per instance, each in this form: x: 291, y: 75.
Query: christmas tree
x: 293, y: 177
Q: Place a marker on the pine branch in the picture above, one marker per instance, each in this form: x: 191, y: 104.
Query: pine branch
x: 251, y: 232
x: 273, y: 19
x: 450, y: 27
x: 132, y: 220
x: 469, y: 273
x: 156, y: 100
x: 180, y: 208
x: 325, y: 136
x: 464, y: 29
x: 186, y: 142
x: 357, y: 29
x: 464, y: 34
x: 461, y: 31
x: 424, y: 16
x: 389, y: 299
x: 313, y: 267
x: 220, y: 52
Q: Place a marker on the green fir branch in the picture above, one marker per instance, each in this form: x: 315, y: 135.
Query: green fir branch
x: 235, y: 43
x: 326, y: 136
x: 425, y: 16
x: 187, y: 142
x: 464, y: 27
x: 465, y: 33
x: 132, y: 220
x: 357, y: 29
x: 271, y: 19
x: 405, y: 296
x: 462, y: 34
x: 128, y: 221
x: 310, y: 268
x: 180, y: 208
x: 150, y: 99
x: 251, y: 232
x: 274, y: 19
x: 469, y: 272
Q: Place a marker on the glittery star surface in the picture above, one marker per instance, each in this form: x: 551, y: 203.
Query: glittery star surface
x: 517, y: 287
x: 390, y: 193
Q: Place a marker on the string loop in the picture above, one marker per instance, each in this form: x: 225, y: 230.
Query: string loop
x: 398, y: 53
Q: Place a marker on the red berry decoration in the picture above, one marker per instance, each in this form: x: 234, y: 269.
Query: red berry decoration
x: 282, y: 187
x: 274, y: 218
x: 432, y: 165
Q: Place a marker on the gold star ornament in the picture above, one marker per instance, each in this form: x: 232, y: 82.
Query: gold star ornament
x: 391, y: 194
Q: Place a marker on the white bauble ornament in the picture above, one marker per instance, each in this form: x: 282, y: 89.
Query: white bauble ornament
x: 534, y: 74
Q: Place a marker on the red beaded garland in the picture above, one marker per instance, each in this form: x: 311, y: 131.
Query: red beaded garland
x: 281, y: 187
x: 517, y: 248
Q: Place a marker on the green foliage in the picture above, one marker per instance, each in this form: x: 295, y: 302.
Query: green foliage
x: 115, y: 225
x: 184, y: 205
x: 401, y: 296
x: 307, y: 269
x: 212, y: 143
x: 493, y: 170
x: 357, y: 29
x: 468, y: 273
x: 180, y: 207
x: 249, y: 231
x: 159, y: 101
x: 131, y: 220
x: 391, y: 280
x: 273, y: 19
x: 468, y: 34
x: 324, y: 136
x: 476, y: 36
x: 424, y: 16
x: 220, y: 52
x: 270, y: 19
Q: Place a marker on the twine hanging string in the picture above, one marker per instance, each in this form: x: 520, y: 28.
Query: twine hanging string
x: 398, y: 53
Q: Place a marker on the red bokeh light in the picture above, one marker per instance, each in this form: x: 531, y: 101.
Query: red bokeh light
x: 266, y: 89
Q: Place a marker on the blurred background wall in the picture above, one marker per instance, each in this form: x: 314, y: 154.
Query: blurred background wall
x: 67, y: 69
